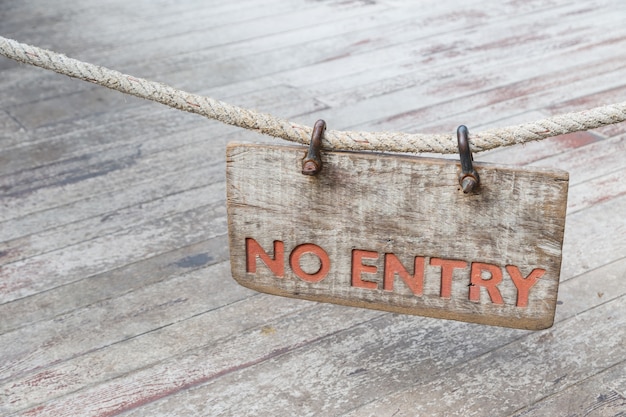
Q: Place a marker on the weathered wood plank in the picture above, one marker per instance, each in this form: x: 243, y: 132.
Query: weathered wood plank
x: 112, y: 222
x: 200, y: 365
x: 255, y: 66
x: 604, y: 238
x: 224, y: 323
x: 108, y: 202
x: 11, y: 132
x: 513, y: 88
x: 535, y: 151
x: 572, y: 295
x: 49, y: 304
x: 489, y: 107
x: 597, y: 190
x: 539, y: 365
x: 391, y: 332
x: 263, y: 354
x: 592, y: 397
x: 589, y: 279
x: 590, y: 289
x: 68, y: 141
x: 607, y: 95
x: 387, y: 352
x: 19, y: 159
x: 376, y: 208
x: 591, y: 161
x: 217, y: 47
x: 146, y: 169
x: 63, y: 266
x: 117, y: 19
x: 415, y: 103
x: 110, y: 321
x: 443, y: 65
x: 593, y: 180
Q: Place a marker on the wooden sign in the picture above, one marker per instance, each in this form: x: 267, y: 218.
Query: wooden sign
x: 396, y: 233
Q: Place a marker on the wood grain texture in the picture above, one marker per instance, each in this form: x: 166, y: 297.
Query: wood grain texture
x: 596, y: 396
x: 112, y: 218
x: 538, y: 365
x: 376, y: 205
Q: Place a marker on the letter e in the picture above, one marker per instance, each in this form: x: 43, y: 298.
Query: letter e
x: 358, y: 268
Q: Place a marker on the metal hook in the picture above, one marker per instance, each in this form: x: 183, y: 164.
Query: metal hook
x: 468, y: 178
x: 312, y: 162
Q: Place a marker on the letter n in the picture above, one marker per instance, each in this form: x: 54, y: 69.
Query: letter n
x: 276, y: 264
x: 393, y: 266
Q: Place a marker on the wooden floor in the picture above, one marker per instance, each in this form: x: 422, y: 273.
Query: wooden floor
x: 115, y: 291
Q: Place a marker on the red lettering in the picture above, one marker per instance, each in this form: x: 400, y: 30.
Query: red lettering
x: 522, y: 284
x: 294, y: 261
x: 447, y: 268
x: 477, y: 281
x: 358, y: 268
x: 276, y: 264
x: 393, y: 266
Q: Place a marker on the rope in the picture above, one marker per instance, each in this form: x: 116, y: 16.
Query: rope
x: 284, y: 129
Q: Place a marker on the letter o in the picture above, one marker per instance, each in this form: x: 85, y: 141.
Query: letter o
x: 294, y: 261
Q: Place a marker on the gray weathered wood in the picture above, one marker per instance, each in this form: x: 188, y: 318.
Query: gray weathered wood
x: 596, y: 396
x: 138, y: 315
x: 538, y: 366
x: 400, y: 208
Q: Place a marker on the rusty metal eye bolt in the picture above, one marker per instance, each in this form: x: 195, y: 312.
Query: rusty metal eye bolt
x: 312, y: 162
x: 468, y: 178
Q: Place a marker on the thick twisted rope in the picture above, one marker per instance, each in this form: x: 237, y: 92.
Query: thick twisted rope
x: 284, y: 129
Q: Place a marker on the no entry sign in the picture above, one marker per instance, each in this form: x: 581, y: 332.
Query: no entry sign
x: 396, y: 233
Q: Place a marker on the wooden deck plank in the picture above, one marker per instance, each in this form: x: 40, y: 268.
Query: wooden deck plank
x: 289, y: 53
x: 213, y: 50
x: 468, y: 62
x: 51, y: 153
x: 604, y: 240
x: 153, y: 157
x: 56, y: 386
x: 606, y: 160
x: 113, y: 222
x: 592, y: 397
x: 387, y: 352
x: 119, y: 19
x: 540, y: 365
x: 43, y: 344
x: 111, y: 284
x: 112, y: 219
x: 103, y: 128
x: 162, y: 343
x: 49, y: 270
x: 55, y: 106
x: 605, y: 281
x: 183, y: 371
x: 597, y: 190
x: 507, y: 100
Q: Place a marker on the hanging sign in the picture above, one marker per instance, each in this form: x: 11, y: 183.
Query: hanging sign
x: 397, y: 233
